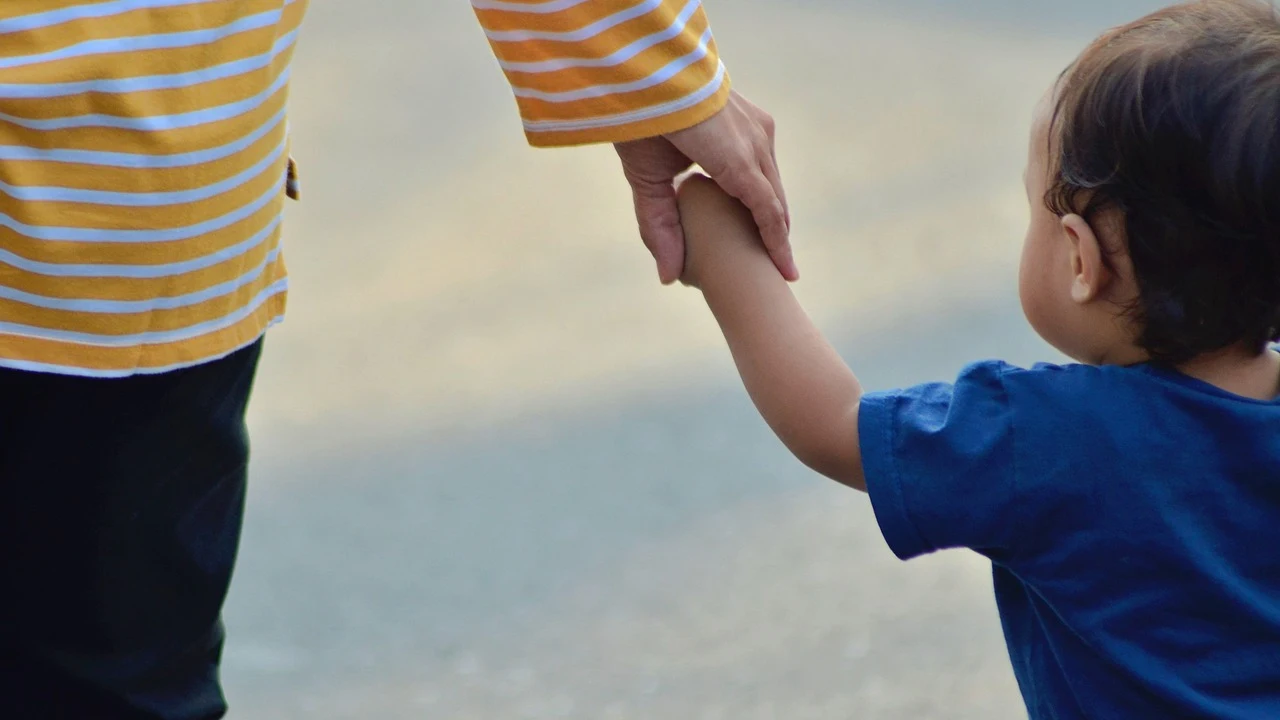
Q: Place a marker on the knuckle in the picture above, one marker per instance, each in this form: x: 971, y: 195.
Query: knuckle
x: 741, y: 163
x: 754, y: 192
x: 735, y: 180
x: 768, y: 124
x: 775, y: 238
x: 774, y: 219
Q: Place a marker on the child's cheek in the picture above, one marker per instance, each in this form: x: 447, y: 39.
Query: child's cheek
x: 1035, y: 288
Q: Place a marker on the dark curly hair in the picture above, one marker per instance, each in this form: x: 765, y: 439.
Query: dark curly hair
x: 1171, y: 126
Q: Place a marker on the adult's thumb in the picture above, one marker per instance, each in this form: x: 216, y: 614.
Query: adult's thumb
x: 659, y: 218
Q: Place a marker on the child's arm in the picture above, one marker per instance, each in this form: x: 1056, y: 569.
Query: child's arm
x: 799, y: 384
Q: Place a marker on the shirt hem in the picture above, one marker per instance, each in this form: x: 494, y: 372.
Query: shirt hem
x: 639, y: 130
x: 884, y: 484
x: 73, y: 371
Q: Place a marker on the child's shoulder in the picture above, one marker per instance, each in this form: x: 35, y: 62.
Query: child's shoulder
x: 1068, y: 376
x: 1072, y: 388
x: 1048, y: 372
x: 1002, y: 383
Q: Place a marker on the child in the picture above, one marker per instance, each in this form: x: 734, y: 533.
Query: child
x: 1130, y: 504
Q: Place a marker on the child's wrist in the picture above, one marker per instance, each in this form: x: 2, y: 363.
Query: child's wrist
x: 729, y: 266
x: 718, y: 232
x: 689, y: 271
x: 699, y: 258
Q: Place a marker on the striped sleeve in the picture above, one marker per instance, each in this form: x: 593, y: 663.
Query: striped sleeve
x: 590, y: 71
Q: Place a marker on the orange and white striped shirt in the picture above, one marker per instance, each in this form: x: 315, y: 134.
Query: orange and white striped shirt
x: 144, y: 155
x: 587, y: 71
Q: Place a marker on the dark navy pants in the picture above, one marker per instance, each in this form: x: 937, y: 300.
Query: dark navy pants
x: 121, y: 503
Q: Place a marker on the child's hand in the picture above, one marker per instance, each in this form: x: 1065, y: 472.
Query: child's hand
x: 718, y: 230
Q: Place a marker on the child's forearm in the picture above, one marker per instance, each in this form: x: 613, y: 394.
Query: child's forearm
x: 798, y: 382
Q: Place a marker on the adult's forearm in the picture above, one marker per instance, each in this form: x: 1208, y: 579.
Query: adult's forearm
x: 590, y: 71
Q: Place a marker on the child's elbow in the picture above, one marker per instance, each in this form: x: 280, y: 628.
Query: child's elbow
x: 844, y: 467
x: 828, y: 445
x: 835, y: 455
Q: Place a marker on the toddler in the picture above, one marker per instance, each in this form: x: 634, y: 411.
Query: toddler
x: 1129, y: 504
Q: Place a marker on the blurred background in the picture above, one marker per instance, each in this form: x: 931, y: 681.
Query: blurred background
x: 501, y: 473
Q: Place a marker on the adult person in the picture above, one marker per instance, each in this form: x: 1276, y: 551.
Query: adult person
x: 144, y: 162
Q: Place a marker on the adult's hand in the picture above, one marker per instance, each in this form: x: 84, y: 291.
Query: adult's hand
x: 736, y: 148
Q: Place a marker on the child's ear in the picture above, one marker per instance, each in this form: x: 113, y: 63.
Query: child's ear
x: 1090, y: 271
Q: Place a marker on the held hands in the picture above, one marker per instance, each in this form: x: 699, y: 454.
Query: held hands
x: 735, y: 147
x: 719, y: 231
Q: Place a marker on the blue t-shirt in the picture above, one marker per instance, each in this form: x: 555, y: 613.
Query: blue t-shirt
x: 1132, y: 517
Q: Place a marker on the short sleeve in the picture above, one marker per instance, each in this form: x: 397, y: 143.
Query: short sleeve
x: 940, y: 466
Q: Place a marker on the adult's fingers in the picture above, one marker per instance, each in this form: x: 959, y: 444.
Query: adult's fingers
x: 781, y: 253
x: 755, y: 190
x: 769, y: 165
x: 659, y: 218
x: 736, y: 148
x: 766, y: 150
x: 769, y: 168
